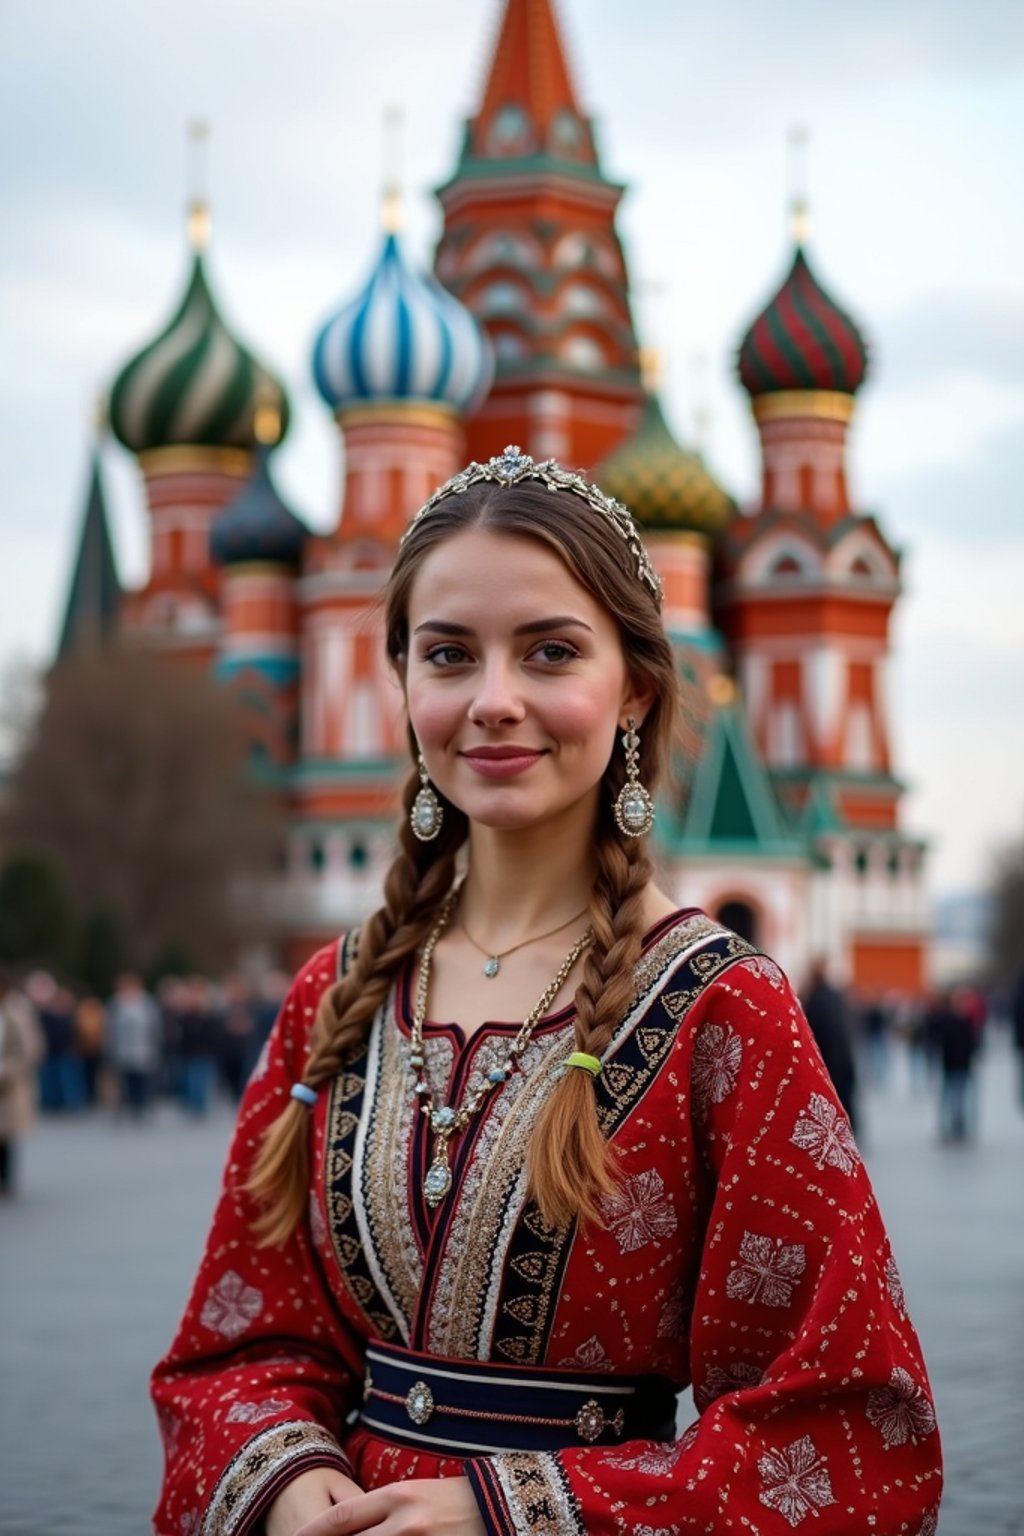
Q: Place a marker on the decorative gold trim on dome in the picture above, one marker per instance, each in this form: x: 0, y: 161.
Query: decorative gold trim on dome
x: 189, y: 459
x: 825, y: 404
x: 403, y: 413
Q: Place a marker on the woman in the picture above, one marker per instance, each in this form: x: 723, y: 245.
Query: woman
x: 460, y: 1270
x: 21, y: 1051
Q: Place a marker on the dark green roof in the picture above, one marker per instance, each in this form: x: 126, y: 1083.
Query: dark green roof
x: 94, y: 597
x: 732, y: 807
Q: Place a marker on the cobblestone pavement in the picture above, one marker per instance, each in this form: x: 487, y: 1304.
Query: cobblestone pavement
x: 97, y: 1254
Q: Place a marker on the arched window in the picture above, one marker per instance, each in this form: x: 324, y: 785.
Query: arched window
x: 787, y: 565
x: 741, y: 917
x: 500, y: 299
x: 583, y: 352
x: 510, y: 132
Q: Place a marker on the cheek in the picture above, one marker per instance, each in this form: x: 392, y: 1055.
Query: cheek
x: 586, y: 718
x: 434, y: 713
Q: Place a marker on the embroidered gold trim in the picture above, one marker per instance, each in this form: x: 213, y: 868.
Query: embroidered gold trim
x: 258, y: 1463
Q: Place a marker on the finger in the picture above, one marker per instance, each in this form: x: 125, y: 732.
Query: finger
x: 362, y: 1512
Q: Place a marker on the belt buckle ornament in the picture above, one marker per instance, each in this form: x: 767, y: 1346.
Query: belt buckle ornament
x: 591, y: 1422
x: 419, y: 1402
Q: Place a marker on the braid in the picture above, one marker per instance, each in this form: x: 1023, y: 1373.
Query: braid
x: 416, y: 884
x: 568, y: 1159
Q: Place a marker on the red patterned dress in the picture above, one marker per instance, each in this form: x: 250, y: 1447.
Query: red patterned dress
x: 742, y: 1251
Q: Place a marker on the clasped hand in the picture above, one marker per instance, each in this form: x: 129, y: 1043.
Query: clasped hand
x: 442, y: 1506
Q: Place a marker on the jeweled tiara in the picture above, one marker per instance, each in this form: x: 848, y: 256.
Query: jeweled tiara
x: 510, y: 467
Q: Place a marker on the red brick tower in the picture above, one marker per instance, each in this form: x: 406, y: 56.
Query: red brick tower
x: 531, y: 249
x: 807, y: 592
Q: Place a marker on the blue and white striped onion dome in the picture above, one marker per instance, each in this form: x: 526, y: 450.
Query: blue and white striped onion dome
x: 404, y: 338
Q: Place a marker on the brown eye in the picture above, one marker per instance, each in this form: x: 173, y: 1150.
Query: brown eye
x: 554, y: 652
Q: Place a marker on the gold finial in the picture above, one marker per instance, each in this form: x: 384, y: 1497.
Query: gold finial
x: 266, y: 424
x: 651, y: 370
x: 391, y: 154
x: 721, y: 690
x: 199, y: 221
x: 799, y: 217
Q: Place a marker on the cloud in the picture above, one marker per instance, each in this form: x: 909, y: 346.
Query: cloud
x: 975, y: 502
x: 946, y: 334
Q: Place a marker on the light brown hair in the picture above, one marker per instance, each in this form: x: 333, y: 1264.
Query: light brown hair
x: 568, y: 1162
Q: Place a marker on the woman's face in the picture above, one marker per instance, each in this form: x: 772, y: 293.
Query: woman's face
x: 515, y: 680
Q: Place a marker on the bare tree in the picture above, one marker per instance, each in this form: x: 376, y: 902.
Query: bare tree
x: 132, y: 780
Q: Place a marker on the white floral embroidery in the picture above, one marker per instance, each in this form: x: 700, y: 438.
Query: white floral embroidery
x: 639, y: 1212
x: 317, y: 1224
x: 717, y: 1053
x: 901, y: 1411
x: 255, y: 1413
x: 231, y: 1306
x: 654, y: 1459
x: 824, y: 1131
x: 188, y: 1525
x: 929, y: 1525
x: 723, y: 1379
x: 590, y: 1356
x: 670, y: 1323
x: 768, y: 1271
x: 796, y: 1481
x: 761, y: 966
x: 655, y: 1530
x: 895, y: 1285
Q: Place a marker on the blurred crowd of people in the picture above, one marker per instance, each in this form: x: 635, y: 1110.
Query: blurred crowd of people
x: 192, y: 1040
x: 69, y: 1052
x: 943, y: 1034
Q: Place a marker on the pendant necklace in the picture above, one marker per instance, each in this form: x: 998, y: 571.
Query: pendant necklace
x: 446, y: 1120
x: 492, y: 964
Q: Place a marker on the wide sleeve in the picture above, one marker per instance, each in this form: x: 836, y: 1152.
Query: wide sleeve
x: 263, y: 1369
x: 815, y: 1407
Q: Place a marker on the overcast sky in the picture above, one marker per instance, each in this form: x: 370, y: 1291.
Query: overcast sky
x: 916, y: 183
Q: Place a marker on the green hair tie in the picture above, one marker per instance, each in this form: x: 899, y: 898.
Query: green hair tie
x: 588, y: 1063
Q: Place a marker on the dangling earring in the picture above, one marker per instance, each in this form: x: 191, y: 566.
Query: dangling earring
x: 427, y: 812
x: 634, y: 808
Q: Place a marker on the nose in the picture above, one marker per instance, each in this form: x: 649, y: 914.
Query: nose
x: 497, y: 700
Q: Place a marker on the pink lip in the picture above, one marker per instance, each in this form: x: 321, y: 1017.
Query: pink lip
x: 501, y: 762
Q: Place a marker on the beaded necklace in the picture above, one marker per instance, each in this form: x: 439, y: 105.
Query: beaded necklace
x: 446, y: 1120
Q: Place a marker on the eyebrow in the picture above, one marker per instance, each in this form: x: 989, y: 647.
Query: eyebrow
x: 534, y: 627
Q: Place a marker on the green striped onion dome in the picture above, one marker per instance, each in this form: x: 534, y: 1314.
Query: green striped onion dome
x: 802, y: 340
x: 664, y: 486
x: 194, y: 385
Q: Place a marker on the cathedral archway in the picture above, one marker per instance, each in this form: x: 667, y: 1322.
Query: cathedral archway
x: 741, y: 917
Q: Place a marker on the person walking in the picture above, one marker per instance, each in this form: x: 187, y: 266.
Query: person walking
x: 134, y: 1032
x: 829, y: 1021
x: 536, y: 1147
x: 22, y: 1048
x: 955, y: 1032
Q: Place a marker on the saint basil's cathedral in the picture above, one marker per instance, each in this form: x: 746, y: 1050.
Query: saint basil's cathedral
x: 786, y: 819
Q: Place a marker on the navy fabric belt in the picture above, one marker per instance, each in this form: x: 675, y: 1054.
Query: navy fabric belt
x: 470, y: 1407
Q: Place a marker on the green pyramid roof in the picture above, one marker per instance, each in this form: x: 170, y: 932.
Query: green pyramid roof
x: 732, y: 807
x: 94, y: 597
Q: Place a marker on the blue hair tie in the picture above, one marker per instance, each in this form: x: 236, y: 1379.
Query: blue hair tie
x: 304, y: 1094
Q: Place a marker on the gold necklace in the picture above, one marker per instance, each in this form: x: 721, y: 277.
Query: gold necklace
x: 445, y: 1121
x: 492, y: 965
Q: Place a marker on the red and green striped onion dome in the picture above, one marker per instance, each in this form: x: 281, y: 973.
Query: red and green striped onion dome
x: 664, y: 486
x: 195, y: 385
x: 802, y: 340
